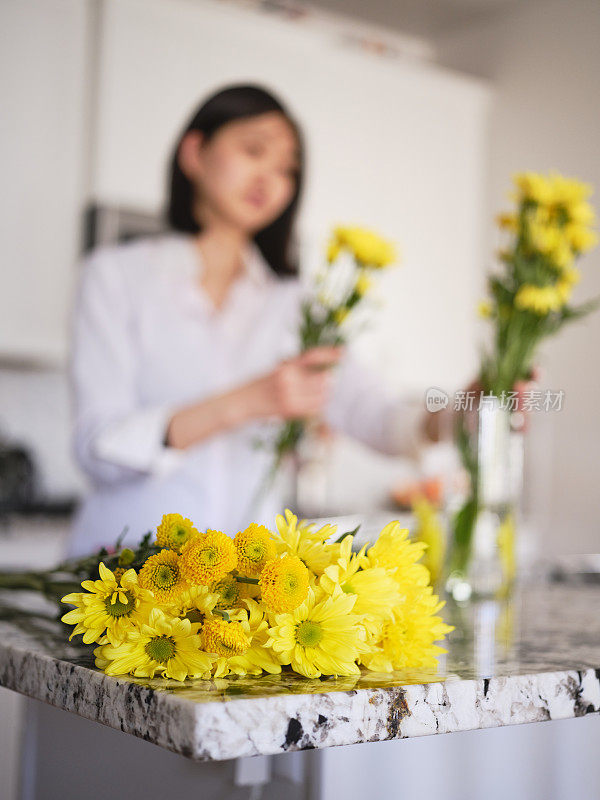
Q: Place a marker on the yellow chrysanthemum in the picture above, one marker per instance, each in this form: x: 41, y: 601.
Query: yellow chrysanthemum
x: 228, y: 590
x: 162, y: 575
x: 174, y: 531
x: 533, y: 187
x: 408, y: 641
x: 375, y: 590
x: 208, y: 557
x: 196, y: 603
x: 580, y: 237
x: 107, y: 606
x: 395, y: 552
x: 257, y: 657
x: 302, y: 540
x: 255, y: 546
x: 162, y: 645
x: 320, y: 637
x: 224, y: 639
x: 540, y: 300
x: 284, y: 583
x: 485, y: 309
x: 368, y: 247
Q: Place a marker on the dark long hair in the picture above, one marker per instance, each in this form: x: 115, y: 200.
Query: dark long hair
x: 231, y: 103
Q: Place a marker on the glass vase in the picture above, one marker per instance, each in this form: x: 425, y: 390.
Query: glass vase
x: 482, y: 532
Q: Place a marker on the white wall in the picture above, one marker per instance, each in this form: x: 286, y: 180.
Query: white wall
x: 42, y: 85
x: 543, y: 60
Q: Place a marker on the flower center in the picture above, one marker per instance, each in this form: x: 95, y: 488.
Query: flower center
x: 160, y: 648
x: 309, y: 634
x: 119, y: 609
x: 209, y: 556
x: 290, y: 583
x: 255, y: 552
x: 347, y: 588
x: 180, y: 534
x: 165, y: 576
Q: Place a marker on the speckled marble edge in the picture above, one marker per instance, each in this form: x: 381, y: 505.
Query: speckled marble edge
x: 157, y: 717
x: 214, y: 731
x: 249, y: 727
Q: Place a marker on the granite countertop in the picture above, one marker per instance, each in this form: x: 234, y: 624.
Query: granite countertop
x: 535, y: 658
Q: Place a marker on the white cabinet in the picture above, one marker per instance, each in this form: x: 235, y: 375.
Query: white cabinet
x: 42, y: 84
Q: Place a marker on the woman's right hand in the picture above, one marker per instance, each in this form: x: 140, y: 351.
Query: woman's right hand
x: 298, y: 387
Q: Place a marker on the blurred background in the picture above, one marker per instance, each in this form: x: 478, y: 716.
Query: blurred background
x: 416, y: 114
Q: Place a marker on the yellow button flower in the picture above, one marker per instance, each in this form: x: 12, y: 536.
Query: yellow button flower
x: 208, y: 557
x: 174, y: 531
x: 284, y: 583
x: 255, y: 547
x: 163, y: 576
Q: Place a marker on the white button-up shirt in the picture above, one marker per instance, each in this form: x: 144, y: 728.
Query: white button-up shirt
x: 146, y: 341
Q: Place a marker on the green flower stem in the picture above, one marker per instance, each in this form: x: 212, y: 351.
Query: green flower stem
x: 242, y: 579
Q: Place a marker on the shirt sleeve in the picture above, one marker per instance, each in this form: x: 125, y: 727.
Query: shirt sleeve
x: 115, y: 438
x: 362, y: 407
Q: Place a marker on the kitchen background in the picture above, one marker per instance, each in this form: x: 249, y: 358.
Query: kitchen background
x: 466, y: 93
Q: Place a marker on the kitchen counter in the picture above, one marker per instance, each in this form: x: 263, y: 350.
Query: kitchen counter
x: 533, y: 659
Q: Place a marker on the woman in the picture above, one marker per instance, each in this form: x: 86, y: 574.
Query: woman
x: 185, y: 347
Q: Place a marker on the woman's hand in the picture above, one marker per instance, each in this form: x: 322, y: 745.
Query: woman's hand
x: 298, y: 387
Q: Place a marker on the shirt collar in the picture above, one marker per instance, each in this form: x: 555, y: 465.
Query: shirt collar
x: 256, y: 269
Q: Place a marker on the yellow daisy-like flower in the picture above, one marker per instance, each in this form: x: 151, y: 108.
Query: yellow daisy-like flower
x: 255, y: 546
x: 540, y: 300
x: 408, y: 641
x: 485, y: 309
x: 368, y: 247
x: 224, y: 639
x: 174, y: 531
x: 162, y: 645
x: 107, y: 606
x: 320, y: 637
x: 162, y: 575
x: 395, y: 552
x: 208, y: 557
x: 302, y: 540
x: 284, y: 584
x: 375, y: 590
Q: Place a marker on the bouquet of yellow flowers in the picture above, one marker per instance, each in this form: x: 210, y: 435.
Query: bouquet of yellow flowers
x: 530, y: 300
x: 202, y: 605
x: 354, y: 254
